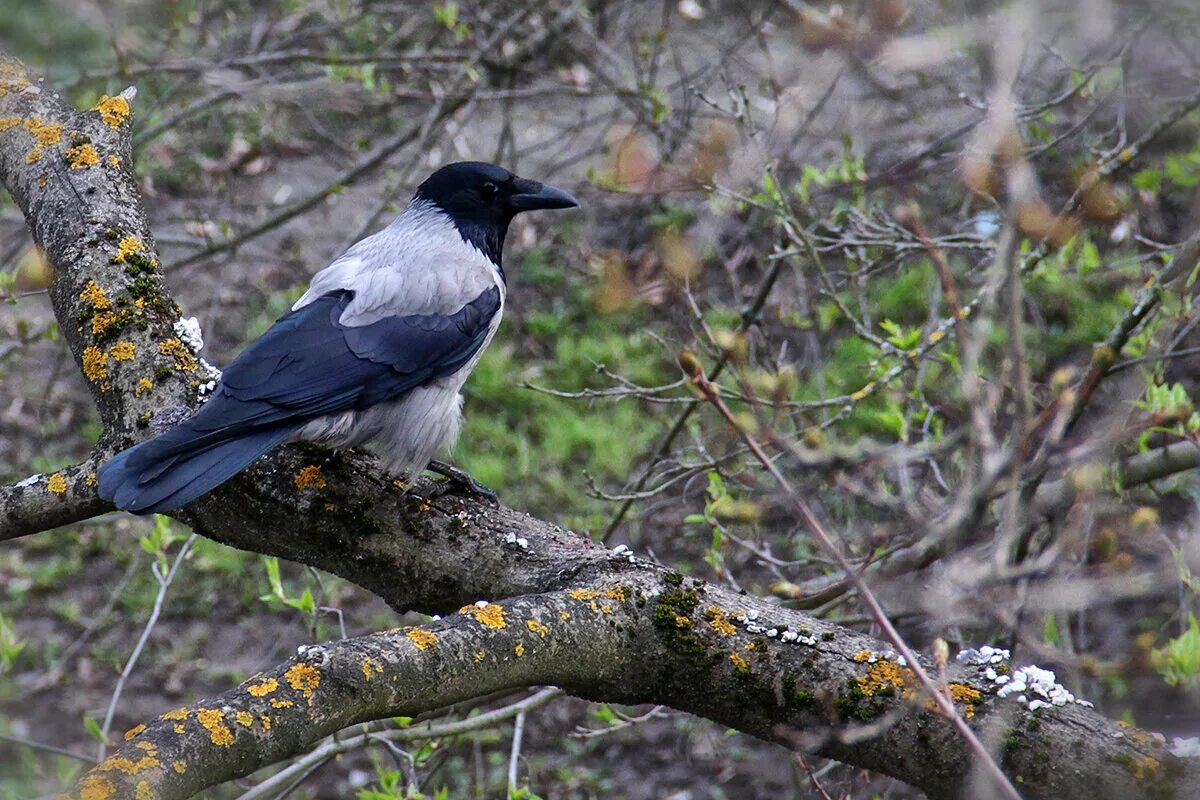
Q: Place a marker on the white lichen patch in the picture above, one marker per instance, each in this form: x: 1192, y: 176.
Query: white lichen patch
x: 30, y: 481
x: 1185, y: 748
x: 188, y: 331
x: 984, y: 655
x: 519, y: 541
x: 748, y: 620
x: 623, y: 551
x: 1032, y: 686
x: 872, y: 657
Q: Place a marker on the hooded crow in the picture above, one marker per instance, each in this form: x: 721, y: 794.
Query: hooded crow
x: 375, y: 352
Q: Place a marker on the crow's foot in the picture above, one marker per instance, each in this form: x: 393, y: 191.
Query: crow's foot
x: 464, y: 479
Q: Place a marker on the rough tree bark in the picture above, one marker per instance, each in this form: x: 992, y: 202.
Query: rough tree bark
x: 539, y: 605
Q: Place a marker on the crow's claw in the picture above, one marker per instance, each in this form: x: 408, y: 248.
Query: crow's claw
x: 464, y: 479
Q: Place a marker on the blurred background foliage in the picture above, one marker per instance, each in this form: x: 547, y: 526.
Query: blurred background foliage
x: 806, y: 191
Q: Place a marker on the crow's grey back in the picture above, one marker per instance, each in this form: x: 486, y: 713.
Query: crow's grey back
x: 420, y: 264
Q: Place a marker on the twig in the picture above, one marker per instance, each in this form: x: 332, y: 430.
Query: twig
x: 664, y: 446
x: 692, y: 368
x: 164, y: 583
x: 49, y: 748
x: 514, y: 757
x: 334, y: 747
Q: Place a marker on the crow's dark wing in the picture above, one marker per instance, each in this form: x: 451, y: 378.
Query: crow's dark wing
x: 308, y: 364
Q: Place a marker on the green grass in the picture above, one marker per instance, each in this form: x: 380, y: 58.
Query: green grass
x: 538, y: 450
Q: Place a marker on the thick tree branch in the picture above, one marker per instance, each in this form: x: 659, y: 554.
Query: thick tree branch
x: 646, y: 636
x: 574, y: 614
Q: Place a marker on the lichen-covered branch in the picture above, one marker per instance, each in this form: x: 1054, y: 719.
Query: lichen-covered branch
x: 44, y: 501
x: 646, y: 635
x: 556, y: 609
x: 71, y: 173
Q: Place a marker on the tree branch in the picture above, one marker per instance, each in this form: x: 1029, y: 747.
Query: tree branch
x: 44, y: 501
x: 647, y: 636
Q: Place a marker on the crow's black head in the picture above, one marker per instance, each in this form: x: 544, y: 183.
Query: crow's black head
x: 481, y: 199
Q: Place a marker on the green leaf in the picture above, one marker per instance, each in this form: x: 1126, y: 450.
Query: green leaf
x: 1179, y: 661
x: 93, y: 728
x: 1050, y: 630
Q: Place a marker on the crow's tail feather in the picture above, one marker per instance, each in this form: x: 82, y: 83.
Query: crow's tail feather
x: 164, y: 473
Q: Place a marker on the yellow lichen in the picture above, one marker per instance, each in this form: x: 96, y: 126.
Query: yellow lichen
x: 57, y: 484
x: 179, y: 767
x: 371, y: 667
x: 127, y: 765
x: 540, y: 628
x: 114, y: 162
x: 584, y: 595
x: 143, y: 791
x: 184, y: 360
x: 489, y: 614
x: 564, y: 615
x: 519, y: 649
x: 739, y: 662
x: 331, y: 506
x: 213, y: 721
x: 263, y: 689
x: 143, y: 385
x: 178, y: 727
x: 128, y: 246
x: 1144, y: 767
x: 82, y: 156
x: 304, y: 678
x: 862, y: 656
x: 6, y: 123
x: 310, y: 478
x: 134, y: 731
x: 180, y: 714
x: 618, y: 592
x: 479, y: 656
x: 95, y: 296
x: 720, y: 621
x: 967, y: 695
x: 277, y: 703
x: 113, y: 110
x: 44, y: 133
x: 422, y: 638
x: 122, y: 351
x: 102, y: 321
x: 399, y: 484
x: 95, y: 364
x: 96, y: 787
x: 244, y: 718
x: 12, y: 76
x: 90, y: 480
x: 266, y: 722
x: 884, y: 676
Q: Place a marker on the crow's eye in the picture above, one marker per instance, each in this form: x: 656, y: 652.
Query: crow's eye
x: 488, y: 190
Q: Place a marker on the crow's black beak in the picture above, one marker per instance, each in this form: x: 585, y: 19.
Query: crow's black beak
x: 532, y: 195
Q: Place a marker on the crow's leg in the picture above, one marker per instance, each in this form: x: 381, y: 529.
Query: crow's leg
x: 463, y: 479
